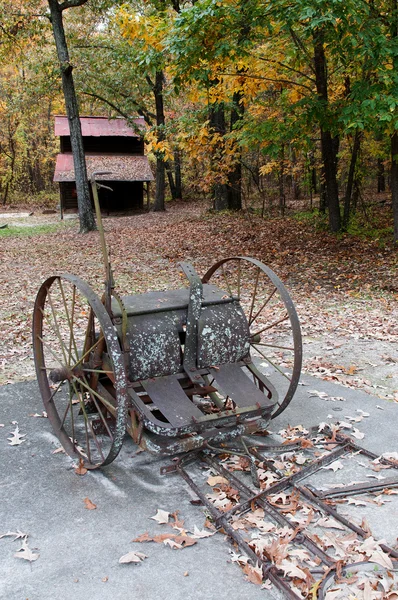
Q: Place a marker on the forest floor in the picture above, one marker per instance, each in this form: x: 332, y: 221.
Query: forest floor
x: 345, y: 288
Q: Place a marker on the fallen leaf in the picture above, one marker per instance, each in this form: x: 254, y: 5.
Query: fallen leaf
x: 199, y: 534
x: 88, y: 504
x: 217, y: 479
x: 132, y: 557
x: 180, y: 541
x: 330, y: 523
x: 357, y: 434
x: 16, y: 438
x: 381, y: 558
x: 253, y: 574
x: 26, y: 553
x: 17, y: 535
x: 162, y: 516
x: 81, y: 469
x: 356, y: 502
x: 292, y: 570
x: 335, y: 466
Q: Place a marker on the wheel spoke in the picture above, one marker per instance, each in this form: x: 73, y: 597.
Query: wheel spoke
x: 239, y: 276
x: 285, y: 318
x: 91, y: 391
x: 262, y: 308
x: 97, y: 371
x: 254, y: 295
x: 70, y: 320
x: 226, y: 280
x: 85, y: 419
x: 81, y: 359
x: 99, y: 410
x: 272, y: 363
x: 51, y: 351
x: 57, y: 331
x: 274, y: 346
x: 54, y: 392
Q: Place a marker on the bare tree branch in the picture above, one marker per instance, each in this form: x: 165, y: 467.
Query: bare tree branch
x: 70, y: 3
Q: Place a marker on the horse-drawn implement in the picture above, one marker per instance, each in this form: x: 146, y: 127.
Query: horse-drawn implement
x: 175, y: 369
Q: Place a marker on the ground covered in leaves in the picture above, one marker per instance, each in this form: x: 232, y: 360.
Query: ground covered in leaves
x: 345, y: 289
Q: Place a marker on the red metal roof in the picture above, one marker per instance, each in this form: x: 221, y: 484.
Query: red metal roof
x: 122, y: 167
x: 100, y: 126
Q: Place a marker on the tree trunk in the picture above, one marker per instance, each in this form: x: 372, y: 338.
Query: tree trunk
x: 217, y: 124
x: 328, y: 142
x: 350, y: 181
x: 394, y: 182
x: 160, y: 185
x: 177, y: 174
x: 235, y: 177
x: 281, y: 182
x: 160, y: 120
x: 86, y: 217
x: 381, y: 177
x: 394, y: 137
x: 171, y: 181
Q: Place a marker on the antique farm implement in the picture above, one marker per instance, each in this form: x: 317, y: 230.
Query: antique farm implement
x: 176, y: 369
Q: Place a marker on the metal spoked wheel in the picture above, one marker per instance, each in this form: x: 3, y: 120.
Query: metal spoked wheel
x: 80, y: 370
x: 275, y: 335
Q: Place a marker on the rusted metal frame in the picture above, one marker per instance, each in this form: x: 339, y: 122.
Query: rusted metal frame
x: 267, y: 384
x: 357, y: 489
x: 178, y: 307
x: 273, y: 512
x: 341, y: 437
x: 269, y: 570
x: 227, y: 417
x: 109, y: 281
x: 307, y: 493
x: 193, y: 314
x: 336, y: 515
x: 305, y: 471
x: 288, y: 481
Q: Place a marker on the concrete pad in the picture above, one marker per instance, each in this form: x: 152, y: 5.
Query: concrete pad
x: 79, y: 548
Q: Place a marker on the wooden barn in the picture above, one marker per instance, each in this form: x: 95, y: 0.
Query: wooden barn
x: 109, y: 145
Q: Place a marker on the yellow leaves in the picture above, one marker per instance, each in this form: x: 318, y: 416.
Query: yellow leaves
x: 271, y: 166
x: 157, y: 146
x: 148, y: 30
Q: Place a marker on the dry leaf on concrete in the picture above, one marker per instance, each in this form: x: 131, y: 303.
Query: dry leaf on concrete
x: 88, y: 504
x: 26, y: 553
x: 132, y: 557
x: 162, y: 516
x: 16, y: 438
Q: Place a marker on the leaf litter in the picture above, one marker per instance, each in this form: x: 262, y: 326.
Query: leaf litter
x: 346, y: 314
x: 282, y: 545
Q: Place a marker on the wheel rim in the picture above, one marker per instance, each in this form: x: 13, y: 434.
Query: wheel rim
x: 274, y: 325
x: 80, y: 370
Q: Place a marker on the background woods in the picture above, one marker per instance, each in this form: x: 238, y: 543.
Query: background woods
x: 266, y: 106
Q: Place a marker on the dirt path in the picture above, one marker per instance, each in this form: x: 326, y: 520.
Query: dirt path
x: 345, y: 290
